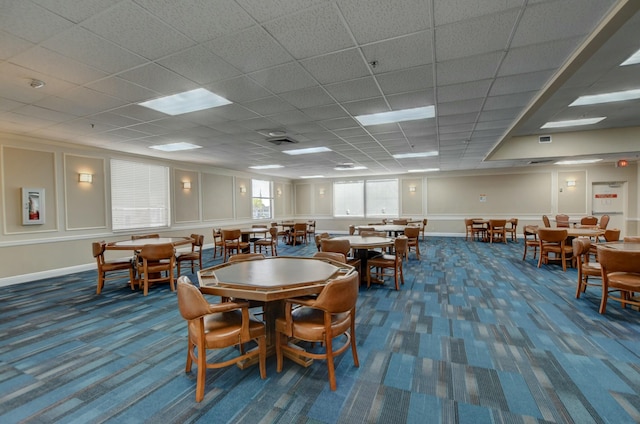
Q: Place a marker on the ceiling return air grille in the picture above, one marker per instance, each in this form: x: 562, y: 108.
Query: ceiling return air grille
x: 282, y: 140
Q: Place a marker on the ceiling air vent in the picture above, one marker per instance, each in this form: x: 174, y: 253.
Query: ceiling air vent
x: 282, y: 140
x: 537, y: 162
x: 544, y: 139
x: 344, y: 166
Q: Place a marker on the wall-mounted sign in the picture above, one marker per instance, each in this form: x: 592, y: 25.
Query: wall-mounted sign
x: 483, y: 197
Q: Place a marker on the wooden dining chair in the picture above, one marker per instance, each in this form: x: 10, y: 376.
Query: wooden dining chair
x: 413, y: 241
x: 552, y: 240
x: 156, y: 265
x: 546, y: 221
x: 586, y: 268
x: 112, y: 269
x: 620, y: 273
x: 588, y: 221
x: 268, y: 242
x: 423, y: 227
x: 340, y: 246
x: 232, y: 240
x: 562, y: 221
x: 511, y: 229
x: 318, y: 239
x: 393, y: 262
x: 299, y: 232
x: 218, y: 326
x: 497, y: 230
x: 321, y: 319
x: 604, y: 222
x: 530, y: 233
x: 338, y: 257
x: 218, y: 244
x: 193, y: 256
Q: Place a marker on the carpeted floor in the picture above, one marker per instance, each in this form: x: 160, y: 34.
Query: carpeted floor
x: 476, y: 335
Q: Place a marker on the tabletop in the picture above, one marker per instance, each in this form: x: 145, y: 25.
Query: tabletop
x: 584, y: 232
x: 621, y: 245
x: 254, y: 230
x: 139, y: 243
x: 269, y: 279
x: 366, y: 242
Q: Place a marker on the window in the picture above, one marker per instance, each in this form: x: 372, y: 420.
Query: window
x: 139, y: 195
x: 382, y: 198
x: 348, y: 198
x: 262, y: 199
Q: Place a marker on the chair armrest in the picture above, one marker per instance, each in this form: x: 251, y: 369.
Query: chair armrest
x: 304, y: 301
x: 227, y: 306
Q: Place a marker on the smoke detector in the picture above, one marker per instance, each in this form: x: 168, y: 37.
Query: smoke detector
x: 35, y: 83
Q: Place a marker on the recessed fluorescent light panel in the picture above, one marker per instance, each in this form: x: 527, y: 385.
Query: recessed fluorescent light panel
x: 397, y: 116
x: 266, y: 166
x: 312, y: 176
x: 573, y: 122
x: 632, y: 60
x: 189, y: 101
x: 424, y: 170
x: 617, y: 96
x: 307, y: 151
x: 352, y: 168
x: 175, y: 147
x: 415, y: 155
x: 577, y: 161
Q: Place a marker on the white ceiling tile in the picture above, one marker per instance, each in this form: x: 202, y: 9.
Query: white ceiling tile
x: 485, y: 34
x: 263, y: 11
x: 400, y: 53
x: 284, y: 78
x: 88, y: 48
x: 75, y: 10
x: 418, y: 78
x: 123, y: 89
x: 374, y: 20
x: 159, y: 79
x: 56, y: 65
x: 133, y: 28
x: 336, y: 67
x: 324, y: 112
x: 361, y: 88
x: 250, y: 50
x: 454, y: 92
x: 555, y: 20
x: 311, y: 32
x: 11, y: 45
x: 200, y: 65
x: 538, y: 57
x: 307, y: 97
x: 365, y: 107
x: 240, y: 89
x: 30, y: 21
x: 519, y: 83
x: 467, y: 69
x: 199, y: 20
x: 458, y: 10
x: 268, y: 105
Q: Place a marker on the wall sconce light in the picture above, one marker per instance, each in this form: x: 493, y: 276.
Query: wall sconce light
x: 571, y: 183
x: 85, y: 178
x: 279, y: 192
x: 186, y: 185
x: 621, y: 163
x: 243, y: 189
x: 412, y: 188
x: 321, y: 191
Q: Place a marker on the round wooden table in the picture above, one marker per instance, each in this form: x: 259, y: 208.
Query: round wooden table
x: 139, y: 243
x: 271, y: 280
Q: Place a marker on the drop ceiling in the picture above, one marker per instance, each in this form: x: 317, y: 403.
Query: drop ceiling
x: 302, y: 69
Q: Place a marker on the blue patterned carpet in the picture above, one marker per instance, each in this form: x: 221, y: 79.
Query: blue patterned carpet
x: 476, y: 335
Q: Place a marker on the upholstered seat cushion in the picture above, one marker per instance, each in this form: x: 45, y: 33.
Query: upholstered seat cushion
x: 222, y: 330
x: 308, y: 323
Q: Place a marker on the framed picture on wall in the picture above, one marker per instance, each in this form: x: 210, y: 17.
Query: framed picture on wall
x: 32, y: 206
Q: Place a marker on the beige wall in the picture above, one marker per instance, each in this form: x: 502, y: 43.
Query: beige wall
x: 77, y: 213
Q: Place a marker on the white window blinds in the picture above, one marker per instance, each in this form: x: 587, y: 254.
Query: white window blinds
x: 139, y: 195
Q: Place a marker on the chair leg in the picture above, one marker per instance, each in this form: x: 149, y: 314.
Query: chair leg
x: 278, y: 351
x: 262, y: 347
x: 330, y: 364
x: 352, y: 335
x: 190, y: 347
x: 100, y: 282
x: 202, y: 373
